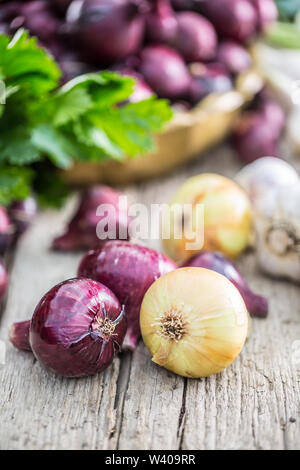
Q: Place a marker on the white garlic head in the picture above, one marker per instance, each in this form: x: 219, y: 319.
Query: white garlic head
x: 278, y: 236
x: 263, y: 178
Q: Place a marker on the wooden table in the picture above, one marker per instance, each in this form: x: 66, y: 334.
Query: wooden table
x: 255, y: 404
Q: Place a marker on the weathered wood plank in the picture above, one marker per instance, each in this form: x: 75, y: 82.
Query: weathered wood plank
x: 255, y: 404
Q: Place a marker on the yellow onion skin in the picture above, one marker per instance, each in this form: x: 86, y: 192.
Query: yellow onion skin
x: 227, y: 217
x: 194, y: 322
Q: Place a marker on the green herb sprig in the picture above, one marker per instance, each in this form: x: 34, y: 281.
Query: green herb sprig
x: 44, y: 126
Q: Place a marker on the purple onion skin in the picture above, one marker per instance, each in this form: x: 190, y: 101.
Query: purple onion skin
x: 9, y: 11
x: 234, y: 19
x: 22, y: 214
x: 185, y: 4
x: 40, y: 20
x: 234, y: 57
x: 128, y: 270
x: 105, y: 31
x: 272, y: 111
x: 165, y: 71
x: 81, y: 232
x: 196, y: 38
x: 19, y: 335
x: 6, y: 231
x: 267, y: 13
x: 161, y: 22
x: 255, y: 137
x: 257, y: 305
x: 3, y: 281
x: 206, y: 79
x: 66, y: 330
x: 61, y: 6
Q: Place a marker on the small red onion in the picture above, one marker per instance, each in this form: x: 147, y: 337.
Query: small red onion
x: 267, y: 13
x: 76, y: 329
x: 81, y: 233
x: 3, y: 280
x: 128, y: 270
x: 272, y: 111
x: 257, y: 305
x: 161, y: 22
x: 106, y: 31
x: 165, y: 71
x: 234, y: 56
x: 22, y: 214
x: 6, y: 231
x: 196, y: 38
x: 255, y: 136
x: 234, y: 19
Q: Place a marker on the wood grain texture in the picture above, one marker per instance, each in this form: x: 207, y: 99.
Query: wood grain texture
x: 255, y: 404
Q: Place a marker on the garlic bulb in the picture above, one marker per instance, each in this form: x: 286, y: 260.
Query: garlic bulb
x: 262, y: 179
x: 278, y: 235
x: 194, y: 322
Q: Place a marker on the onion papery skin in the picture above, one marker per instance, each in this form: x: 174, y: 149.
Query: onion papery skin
x: 213, y: 315
x: 128, y: 270
x: 227, y: 217
x: 63, y: 334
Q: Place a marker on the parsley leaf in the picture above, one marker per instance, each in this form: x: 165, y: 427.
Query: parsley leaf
x: 44, y: 126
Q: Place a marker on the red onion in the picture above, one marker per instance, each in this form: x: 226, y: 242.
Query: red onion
x: 161, y: 22
x: 6, y: 231
x: 165, y: 71
x: 267, y: 13
x: 196, y: 38
x: 206, y: 79
x: 272, y: 111
x: 22, y: 214
x: 84, y: 229
x: 257, y: 133
x: 76, y: 329
x: 234, y: 56
x: 3, y: 280
x: 105, y: 31
x: 128, y: 270
x: 257, y: 305
x: 40, y: 21
x: 235, y: 19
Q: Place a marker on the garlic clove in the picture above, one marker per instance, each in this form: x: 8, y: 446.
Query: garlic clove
x: 194, y: 322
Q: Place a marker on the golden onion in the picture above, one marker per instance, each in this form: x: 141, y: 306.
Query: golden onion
x: 194, y: 322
